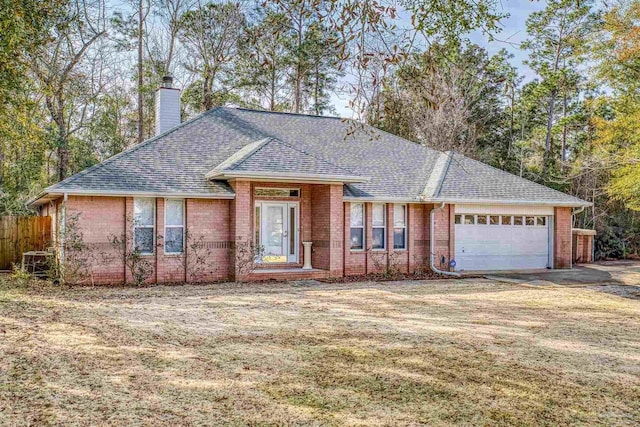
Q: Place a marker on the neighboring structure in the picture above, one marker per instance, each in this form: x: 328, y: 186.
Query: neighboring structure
x: 583, y: 248
x: 232, y: 180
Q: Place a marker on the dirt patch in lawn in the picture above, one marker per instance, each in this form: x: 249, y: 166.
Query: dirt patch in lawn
x: 451, y: 352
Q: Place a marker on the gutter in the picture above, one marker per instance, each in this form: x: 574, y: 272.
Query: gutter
x: 432, y: 244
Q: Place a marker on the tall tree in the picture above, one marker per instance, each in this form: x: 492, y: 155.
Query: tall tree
x: 448, y: 98
x: 557, y: 43
x: 210, y: 33
x: 265, y: 60
x: 56, y: 67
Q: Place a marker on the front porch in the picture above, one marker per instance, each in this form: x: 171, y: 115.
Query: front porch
x: 278, y: 219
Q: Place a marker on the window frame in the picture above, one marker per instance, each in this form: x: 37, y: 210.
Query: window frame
x: 152, y: 227
x: 383, y: 226
x: 166, y: 226
x: 404, y: 227
x: 361, y: 227
x: 289, y: 189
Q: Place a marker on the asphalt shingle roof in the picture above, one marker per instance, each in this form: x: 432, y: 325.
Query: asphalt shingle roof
x: 273, y: 155
x: 258, y: 141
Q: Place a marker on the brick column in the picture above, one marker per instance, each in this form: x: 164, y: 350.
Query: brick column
x: 336, y: 230
x: 562, y: 238
x: 443, y: 236
x: 240, y: 230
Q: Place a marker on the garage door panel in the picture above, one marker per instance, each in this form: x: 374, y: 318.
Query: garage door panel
x: 501, y: 247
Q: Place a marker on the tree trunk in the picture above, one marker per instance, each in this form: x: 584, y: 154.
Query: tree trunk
x: 140, y: 79
x: 272, y: 89
x: 547, y: 143
x: 298, y: 79
x: 207, y: 95
x: 563, y: 155
x: 316, y: 91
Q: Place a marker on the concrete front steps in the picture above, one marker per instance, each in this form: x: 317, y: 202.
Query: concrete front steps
x: 285, y: 274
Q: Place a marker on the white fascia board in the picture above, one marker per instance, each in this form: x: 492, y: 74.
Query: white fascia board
x: 464, y: 201
x: 575, y: 204
x: 288, y: 177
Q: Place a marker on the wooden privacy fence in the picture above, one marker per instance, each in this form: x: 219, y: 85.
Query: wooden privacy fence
x: 20, y: 234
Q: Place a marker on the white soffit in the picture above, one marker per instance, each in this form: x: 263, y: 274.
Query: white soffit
x: 503, y: 209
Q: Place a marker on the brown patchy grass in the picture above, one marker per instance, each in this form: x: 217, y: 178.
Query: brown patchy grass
x: 472, y: 352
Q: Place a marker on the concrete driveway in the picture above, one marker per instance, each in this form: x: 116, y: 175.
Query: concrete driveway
x: 616, y: 277
x: 609, y: 272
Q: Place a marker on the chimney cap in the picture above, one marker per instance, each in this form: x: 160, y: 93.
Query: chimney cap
x: 167, y: 81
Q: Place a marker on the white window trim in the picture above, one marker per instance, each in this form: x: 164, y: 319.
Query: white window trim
x: 153, y: 227
x: 174, y: 226
x: 406, y: 237
x: 383, y: 226
x: 363, y: 227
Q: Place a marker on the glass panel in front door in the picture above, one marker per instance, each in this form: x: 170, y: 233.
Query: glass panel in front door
x: 274, y: 233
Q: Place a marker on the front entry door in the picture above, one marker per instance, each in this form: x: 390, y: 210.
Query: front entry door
x: 278, y: 232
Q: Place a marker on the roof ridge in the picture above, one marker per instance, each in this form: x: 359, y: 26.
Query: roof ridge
x: 128, y: 151
x: 251, y: 148
x: 438, y: 173
x: 287, y: 113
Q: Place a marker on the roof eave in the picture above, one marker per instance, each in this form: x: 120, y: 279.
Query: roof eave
x: 46, y: 196
x: 566, y: 204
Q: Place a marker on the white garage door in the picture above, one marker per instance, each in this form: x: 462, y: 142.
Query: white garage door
x: 501, y: 242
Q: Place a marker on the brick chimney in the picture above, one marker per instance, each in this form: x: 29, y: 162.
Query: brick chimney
x: 167, y: 106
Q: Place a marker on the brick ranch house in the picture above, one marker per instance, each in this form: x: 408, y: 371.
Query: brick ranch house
x: 315, y: 197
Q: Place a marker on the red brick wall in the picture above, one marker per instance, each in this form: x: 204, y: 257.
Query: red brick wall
x: 418, y: 237
x: 327, y: 228
x: 444, y: 236
x: 582, y: 249
x: 98, y: 219
x: 369, y: 261
x: 208, y: 222
x: 562, y: 238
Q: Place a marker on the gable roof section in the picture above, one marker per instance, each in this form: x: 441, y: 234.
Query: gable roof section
x: 273, y: 158
x: 192, y: 159
x: 468, y: 180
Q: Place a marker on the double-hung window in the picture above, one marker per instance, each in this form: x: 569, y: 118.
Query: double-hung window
x: 174, y: 226
x: 144, y: 224
x: 379, y: 226
x: 357, y: 226
x: 399, y: 226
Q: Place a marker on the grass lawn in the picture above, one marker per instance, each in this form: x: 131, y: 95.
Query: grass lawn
x: 451, y: 352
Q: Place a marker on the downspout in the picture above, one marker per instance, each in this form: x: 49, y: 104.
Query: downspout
x: 573, y: 214
x: 432, y: 244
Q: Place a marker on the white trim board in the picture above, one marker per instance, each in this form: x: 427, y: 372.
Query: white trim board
x: 493, y: 209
